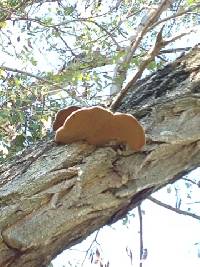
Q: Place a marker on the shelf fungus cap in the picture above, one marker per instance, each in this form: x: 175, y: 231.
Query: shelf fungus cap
x: 99, y: 126
x: 62, y: 115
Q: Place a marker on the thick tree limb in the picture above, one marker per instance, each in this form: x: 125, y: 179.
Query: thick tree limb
x: 53, y: 196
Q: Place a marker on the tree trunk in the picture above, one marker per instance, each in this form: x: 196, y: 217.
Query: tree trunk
x: 53, y: 196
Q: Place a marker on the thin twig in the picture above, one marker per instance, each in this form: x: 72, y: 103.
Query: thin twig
x: 169, y: 207
x: 141, y: 234
x: 190, y: 181
x: 94, y: 240
x: 175, y: 50
x: 5, y: 68
x: 107, y: 32
x: 181, y: 13
x: 58, y: 87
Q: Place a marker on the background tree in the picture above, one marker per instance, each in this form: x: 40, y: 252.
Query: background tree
x: 87, y: 53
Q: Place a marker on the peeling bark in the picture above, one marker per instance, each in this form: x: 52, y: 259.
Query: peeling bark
x: 53, y: 196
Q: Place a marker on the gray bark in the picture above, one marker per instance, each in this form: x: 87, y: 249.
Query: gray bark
x: 53, y: 196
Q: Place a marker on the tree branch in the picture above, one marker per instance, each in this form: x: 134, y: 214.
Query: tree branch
x: 49, y: 82
x: 141, y: 234
x: 169, y: 207
x: 180, y: 13
x: 153, y: 52
x: 123, y: 64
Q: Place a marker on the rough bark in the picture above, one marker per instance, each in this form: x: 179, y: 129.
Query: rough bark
x: 54, y: 196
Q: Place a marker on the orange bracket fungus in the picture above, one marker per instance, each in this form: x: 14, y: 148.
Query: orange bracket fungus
x: 98, y: 126
x: 62, y: 115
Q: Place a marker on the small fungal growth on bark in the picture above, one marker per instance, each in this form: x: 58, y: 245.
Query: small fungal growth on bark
x: 98, y: 126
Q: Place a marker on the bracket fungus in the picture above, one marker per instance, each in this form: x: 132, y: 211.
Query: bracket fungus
x: 62, y: 115
x: 98, y: 126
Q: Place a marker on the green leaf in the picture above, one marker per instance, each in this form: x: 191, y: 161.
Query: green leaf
x: 19, y: 140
